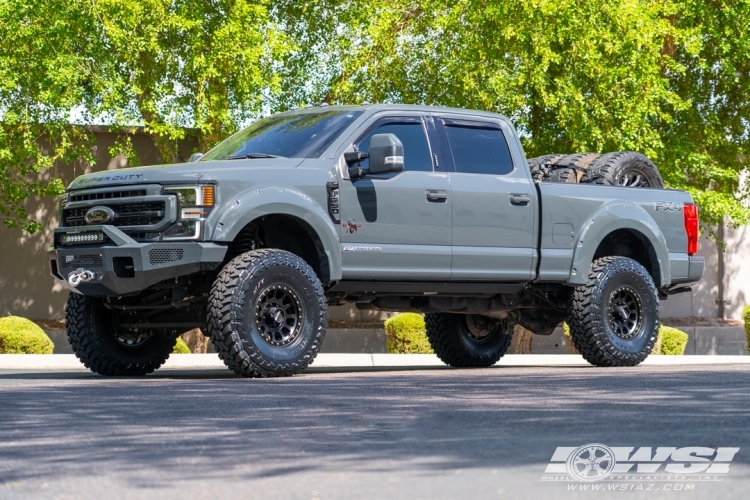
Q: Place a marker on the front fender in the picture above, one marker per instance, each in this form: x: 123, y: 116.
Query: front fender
x: 258, y: 202
x: 609, y: 218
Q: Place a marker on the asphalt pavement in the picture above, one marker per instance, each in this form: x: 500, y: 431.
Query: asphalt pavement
x: 371, y: 433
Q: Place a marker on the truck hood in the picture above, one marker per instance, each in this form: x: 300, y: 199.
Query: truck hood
x: 182, y: 173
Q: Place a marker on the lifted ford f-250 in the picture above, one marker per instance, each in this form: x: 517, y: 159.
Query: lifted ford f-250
x: 390, y: 207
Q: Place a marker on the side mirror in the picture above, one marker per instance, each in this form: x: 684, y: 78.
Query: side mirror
x: 195, y: 157
x: 386, y: 154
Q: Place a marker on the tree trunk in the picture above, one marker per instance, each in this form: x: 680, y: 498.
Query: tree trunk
x: 196, y: 341
x: 521, y: 343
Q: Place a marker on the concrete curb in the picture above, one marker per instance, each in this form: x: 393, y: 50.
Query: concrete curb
x: 70, y: 362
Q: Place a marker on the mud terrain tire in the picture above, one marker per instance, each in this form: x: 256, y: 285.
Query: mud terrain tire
x: 614, y: 317
x: 95, y: 341
x: 624, y: 168
x: 267, y: 314
x: 451, y: 338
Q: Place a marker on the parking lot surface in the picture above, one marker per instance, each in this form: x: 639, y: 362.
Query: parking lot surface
x: 337, y: 433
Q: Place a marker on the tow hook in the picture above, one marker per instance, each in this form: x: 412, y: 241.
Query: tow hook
x: 79, y: 276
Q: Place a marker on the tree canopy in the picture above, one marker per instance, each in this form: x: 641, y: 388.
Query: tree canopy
x: 669, y: 78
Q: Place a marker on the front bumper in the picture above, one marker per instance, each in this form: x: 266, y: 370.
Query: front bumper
x: 126, y: 266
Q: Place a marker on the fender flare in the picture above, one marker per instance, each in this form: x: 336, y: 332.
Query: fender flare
x: 609, y: 218
x: 259, y: 202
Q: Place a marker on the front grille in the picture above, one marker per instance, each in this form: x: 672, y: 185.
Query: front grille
x: 86, y: 261
x: 163, y: 255
x: 134, y: 214
x: 108, y: 195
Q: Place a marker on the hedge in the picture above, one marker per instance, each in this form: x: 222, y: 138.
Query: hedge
x: 21, y: 336
x: 746, y: 318
x: 405, y: 333
x: 180, y: 347
x: 673, y: 341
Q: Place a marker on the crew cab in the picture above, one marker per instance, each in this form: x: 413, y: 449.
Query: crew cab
x: 390, y: 207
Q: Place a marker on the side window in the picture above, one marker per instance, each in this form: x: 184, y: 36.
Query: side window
x: 478, y: 148
x: 412, y: 136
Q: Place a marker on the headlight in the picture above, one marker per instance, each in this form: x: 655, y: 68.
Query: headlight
x: 195, y: 203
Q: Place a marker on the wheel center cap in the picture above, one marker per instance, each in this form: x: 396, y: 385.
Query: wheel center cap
x: 273, y: 316
x: 622, y: 312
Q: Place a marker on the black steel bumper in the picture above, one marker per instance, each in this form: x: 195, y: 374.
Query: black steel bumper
x: 125, y: 266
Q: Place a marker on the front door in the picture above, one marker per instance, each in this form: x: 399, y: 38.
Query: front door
x: 493, y: 203
x: 397, y: 226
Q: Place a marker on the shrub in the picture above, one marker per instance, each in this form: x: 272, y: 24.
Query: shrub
x: 746, y: 318
x: 21, y: 336
x: 673, y: 341
x: 180, y: 347
x: 405, y: 333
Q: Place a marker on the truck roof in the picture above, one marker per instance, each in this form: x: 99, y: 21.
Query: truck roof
x: 395, y: 107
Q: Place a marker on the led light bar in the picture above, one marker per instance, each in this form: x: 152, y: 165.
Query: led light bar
x: 81, y: 238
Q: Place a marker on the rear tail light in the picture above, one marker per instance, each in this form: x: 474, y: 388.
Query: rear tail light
x: 691, y: 228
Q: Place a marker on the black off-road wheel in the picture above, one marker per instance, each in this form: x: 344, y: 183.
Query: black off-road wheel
x: 624, y: 168
x: 614, y: 317
x: 267, y: 314
x: 104, y: 348
x: 467, y: 340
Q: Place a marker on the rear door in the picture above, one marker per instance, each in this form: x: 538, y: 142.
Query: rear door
x: 397, y: 226
x: 493, y: 202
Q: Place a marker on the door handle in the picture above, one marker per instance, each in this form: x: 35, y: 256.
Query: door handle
x: 520, y: 200
x: 436, y: 195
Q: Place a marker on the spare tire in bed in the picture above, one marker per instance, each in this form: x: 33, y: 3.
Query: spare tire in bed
x: 536, y: 165
x: 571, y: 168
x: 623, y: 168
x: 560, y: 167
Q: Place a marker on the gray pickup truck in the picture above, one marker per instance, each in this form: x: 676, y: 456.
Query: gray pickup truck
x: 390, y: 207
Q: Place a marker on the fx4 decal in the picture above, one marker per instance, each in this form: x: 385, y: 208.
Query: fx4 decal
x: 667, y: 206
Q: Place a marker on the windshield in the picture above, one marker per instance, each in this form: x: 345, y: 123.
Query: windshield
x: 299, y: 135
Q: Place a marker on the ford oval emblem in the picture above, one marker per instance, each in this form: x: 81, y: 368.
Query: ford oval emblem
x: 99, y: 215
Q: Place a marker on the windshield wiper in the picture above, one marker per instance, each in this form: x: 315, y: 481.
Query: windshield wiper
x: 253, y: 155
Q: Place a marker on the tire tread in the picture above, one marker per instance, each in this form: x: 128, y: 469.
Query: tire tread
x: 223, y: 312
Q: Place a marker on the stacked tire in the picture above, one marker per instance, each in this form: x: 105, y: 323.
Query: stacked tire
x: 620, y: 168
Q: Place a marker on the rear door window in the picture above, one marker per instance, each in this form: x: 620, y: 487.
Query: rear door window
x: 478, y: 147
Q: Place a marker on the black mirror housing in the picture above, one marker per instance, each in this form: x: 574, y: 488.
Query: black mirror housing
x: 386, y: 154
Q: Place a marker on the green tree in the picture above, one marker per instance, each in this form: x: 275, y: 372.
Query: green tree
x: 165, y: 65
x: 667, y: 78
